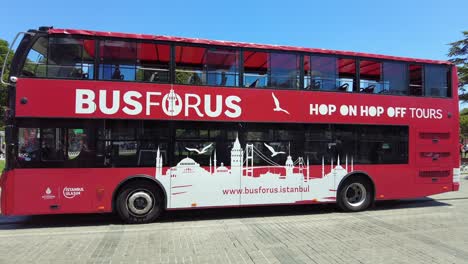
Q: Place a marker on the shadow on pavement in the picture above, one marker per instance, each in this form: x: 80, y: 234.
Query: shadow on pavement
x: 47, y: 221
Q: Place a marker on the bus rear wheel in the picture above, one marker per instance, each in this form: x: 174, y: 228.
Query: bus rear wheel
x: 355, y: 195
x: 139, y: 203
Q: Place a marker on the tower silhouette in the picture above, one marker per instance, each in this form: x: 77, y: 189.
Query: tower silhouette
x: 236, y: 158
x: 249, y: 160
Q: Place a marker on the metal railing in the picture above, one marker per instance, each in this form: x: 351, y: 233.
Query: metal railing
x: 8, y: 53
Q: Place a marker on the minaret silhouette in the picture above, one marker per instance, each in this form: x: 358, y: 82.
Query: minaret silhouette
x: 214, y: 168
x: 323, y: 167
x: 236, y: 158
x: 346, y: 167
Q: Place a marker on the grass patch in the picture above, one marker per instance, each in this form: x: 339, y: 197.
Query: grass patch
x: 2, y: 165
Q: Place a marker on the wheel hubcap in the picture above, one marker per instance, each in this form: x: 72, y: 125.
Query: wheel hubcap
x: 355, y: 194
x: 140, y: 203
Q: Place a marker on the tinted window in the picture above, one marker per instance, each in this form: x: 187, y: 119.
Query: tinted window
x: 436, y: 80
x: 207, y: 66
x: 205, y: 144
x: 255, y: 69
x: 152, y: 63
x: 118, y: 60
x: 395, y: 78
x: 36, y: 62
x: 416, y: 84
x: 284, y: 71
x: 123, y: 143
x: 70, y: 58
x: 323, y: 73
x: 381, y: 145
x: 370, y: 74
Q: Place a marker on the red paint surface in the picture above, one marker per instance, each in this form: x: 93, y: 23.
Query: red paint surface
x: 257, y: 104
x: 23, y: 190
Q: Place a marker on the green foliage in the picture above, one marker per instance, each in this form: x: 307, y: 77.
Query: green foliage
x: 4, y: 47
x: 459, y: 56
x: 182, y: 77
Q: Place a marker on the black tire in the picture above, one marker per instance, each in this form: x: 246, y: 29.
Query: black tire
x: 139, y: 203
x: 355, y: 195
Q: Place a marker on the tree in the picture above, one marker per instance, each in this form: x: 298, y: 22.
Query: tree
x: 459, y: 54
x: 4, y: 47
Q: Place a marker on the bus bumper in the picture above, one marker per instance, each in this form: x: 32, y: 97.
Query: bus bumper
x: 456, y: 187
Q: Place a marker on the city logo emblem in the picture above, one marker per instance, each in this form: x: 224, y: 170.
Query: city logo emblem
x: 48, y: 194
x: 71, y: 193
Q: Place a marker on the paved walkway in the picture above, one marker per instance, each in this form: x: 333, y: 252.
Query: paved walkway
x: 419, y: 231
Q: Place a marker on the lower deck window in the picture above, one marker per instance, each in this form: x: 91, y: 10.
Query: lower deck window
x: 124, y: 143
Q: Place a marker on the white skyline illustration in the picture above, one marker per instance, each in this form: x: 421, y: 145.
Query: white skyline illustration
x: 188, y: 184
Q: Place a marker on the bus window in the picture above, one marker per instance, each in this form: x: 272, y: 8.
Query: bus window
x: 53, y: 144
x: 28, y: 146
x: 70, y: 58
x: 416, y: 84
x: 153, y: 63
x: 284, y: 70
x: 346, y: 75
x: 436, y: 80
x: 118, y: 60
x: 255, y: 69
x: 67, y: 58
x: 36, y: 62
x: 395, y: 78
x: 207, y: 66
x: 323, y: 73
x: 370, y: 74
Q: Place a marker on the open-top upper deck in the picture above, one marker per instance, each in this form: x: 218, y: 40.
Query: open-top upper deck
x: 58, y: 31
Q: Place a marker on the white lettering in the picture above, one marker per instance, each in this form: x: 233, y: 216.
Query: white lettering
x: 84, y: 101
x: 188, y: 105
x: 236, y: 110
x: 149, y: 103
x: 115, y: 103
x: 128, y: 99
x: 218, y: 106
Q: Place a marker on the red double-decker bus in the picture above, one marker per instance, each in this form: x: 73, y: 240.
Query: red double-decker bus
x: 138, y: 124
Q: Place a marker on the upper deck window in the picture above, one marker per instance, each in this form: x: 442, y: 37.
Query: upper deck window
x: 70, y: 58
x: 395, y: 76
x: 61, y: 57
x: 118, y: 60
x: 207, y: 66
x: 436, y: 80
x: 263, y: 69
x: 329, y: 73
x: 153, y: 62
x: 416, y: 80
x: 36, y: 62
x: 370, y: 74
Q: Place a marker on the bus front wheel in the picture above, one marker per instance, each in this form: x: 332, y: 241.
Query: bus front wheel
x: 355, y: 195
x: 139, y: 203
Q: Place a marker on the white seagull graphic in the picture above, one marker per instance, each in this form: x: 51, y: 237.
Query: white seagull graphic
x: 273, y: 152
x: 277, y: 105
x: 200, y: 151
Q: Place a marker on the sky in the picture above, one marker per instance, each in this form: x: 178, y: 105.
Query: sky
x: 418, y: 29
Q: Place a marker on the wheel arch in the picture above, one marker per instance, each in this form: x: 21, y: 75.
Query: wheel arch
x: 357, y: 174
x: 135, y: 178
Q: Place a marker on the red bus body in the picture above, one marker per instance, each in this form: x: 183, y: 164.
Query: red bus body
x: 432, y: 124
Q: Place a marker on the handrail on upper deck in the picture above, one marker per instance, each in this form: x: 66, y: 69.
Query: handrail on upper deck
x: 8, y: 53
